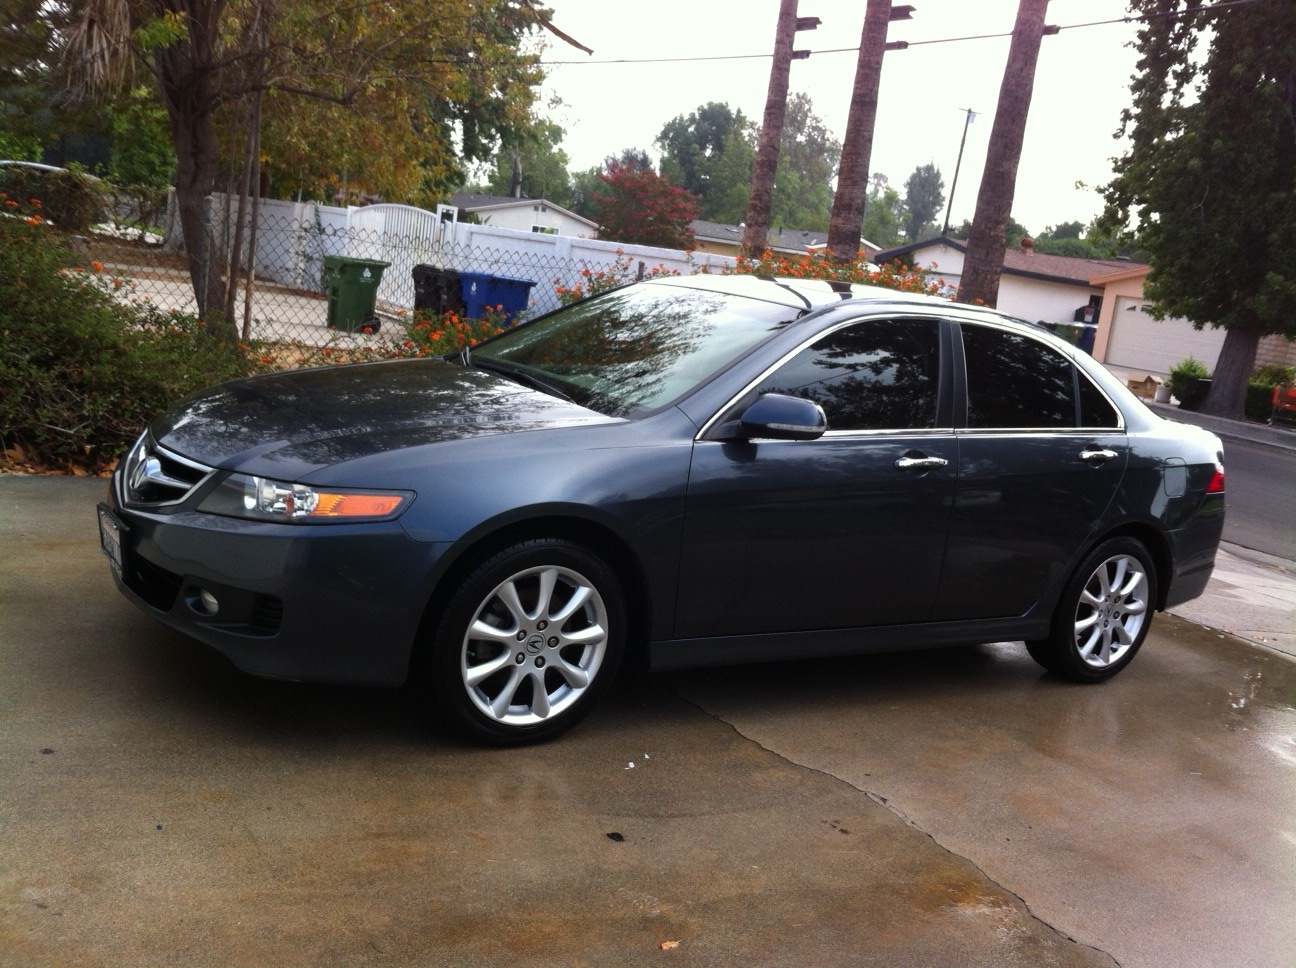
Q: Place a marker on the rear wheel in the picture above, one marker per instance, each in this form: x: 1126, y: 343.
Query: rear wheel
x: 529, y: 641
x: 1103, y: 615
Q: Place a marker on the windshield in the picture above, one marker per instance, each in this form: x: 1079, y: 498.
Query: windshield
x: 635, y: 350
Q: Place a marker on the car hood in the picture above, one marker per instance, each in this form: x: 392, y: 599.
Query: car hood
x: 290, y: 424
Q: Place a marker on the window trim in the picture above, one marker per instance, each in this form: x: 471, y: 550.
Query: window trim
x: 945, y: 396
x: 1077, y: 373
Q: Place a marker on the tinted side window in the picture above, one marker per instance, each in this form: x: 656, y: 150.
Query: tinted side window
x: 1095, y: 409
x: 1015, y: 381
x: 877, y: 375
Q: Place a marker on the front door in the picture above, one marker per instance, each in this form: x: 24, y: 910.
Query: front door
x: 841, y: 532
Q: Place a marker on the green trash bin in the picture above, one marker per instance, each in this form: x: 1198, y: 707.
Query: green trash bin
x: 352, y: 286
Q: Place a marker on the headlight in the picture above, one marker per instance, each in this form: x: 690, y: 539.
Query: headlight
x: 244, y: 496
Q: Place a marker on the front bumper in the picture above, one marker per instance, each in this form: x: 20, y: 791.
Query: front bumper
x: 324, y: 603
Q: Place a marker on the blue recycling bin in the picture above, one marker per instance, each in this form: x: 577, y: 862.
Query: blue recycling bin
x: 481, y: 290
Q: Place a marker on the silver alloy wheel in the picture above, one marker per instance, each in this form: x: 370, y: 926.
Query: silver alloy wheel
x: 534, y: 645
x: 1112, y: 609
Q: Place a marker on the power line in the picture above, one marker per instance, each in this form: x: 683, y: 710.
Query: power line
x: 1224, y: 4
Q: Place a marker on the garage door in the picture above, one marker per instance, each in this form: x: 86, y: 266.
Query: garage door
x: 1139, y: 342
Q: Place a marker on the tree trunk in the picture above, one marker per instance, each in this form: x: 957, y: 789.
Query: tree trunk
x: 760, y: 199
x: 1227, y: 397
x: 853, y: 176
x: 187, y: 95
x: 986, y: 245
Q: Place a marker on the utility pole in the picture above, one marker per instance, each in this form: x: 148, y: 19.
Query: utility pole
x: 760, y: 199
x: 983, y: 264
x: 971, y: 116
x: 852, y: 177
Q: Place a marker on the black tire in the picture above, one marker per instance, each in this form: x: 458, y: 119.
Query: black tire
x: 1103, y: 615
x: 528, y: 643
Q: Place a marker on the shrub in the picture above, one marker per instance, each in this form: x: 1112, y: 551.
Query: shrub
x: 1260, y: 388
x: 593, y: 281
x: 1182, y: 375
x: 82, y: 368
x: 423, y: 335
x: 72, y: 200
x: 819, y: 265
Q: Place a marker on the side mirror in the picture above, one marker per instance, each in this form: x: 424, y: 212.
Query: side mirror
x: 778, y: 417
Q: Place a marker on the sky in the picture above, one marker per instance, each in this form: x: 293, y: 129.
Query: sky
x: 1081, y: 86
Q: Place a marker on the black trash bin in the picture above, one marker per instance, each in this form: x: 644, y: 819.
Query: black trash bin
x: 437, y: 291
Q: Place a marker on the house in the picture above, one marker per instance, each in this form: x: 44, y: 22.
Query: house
x: 724, y: 239
x: 525, y: 215
x: 1034, y: 286
x: 1106, y: 294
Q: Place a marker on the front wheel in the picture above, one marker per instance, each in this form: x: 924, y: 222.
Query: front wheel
x: 529, y: 641
x: 1103, y: 615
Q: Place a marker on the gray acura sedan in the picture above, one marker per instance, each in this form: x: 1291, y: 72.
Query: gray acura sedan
x: 703, y: 469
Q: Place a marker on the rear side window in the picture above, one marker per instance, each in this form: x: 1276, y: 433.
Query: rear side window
x: 1014, y: 381
x: 880, y: 374
x: 1095, y: 409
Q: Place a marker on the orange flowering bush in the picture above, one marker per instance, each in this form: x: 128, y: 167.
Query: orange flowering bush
x: 819, y: 265
x: 594, y: 281
x: 422, y: 336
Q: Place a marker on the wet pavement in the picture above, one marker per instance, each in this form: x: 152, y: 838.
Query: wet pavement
x: 947, y: 808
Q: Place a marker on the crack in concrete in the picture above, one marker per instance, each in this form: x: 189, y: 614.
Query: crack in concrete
x: 890, y: 805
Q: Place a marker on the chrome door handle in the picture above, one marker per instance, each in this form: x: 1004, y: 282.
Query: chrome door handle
x: 920, y: 463
x: 1090, y: 455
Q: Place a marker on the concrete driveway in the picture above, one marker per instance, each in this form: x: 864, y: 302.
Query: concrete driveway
x: 949, y: 808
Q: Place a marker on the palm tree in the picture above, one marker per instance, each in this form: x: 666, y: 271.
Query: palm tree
x: 983, y: 264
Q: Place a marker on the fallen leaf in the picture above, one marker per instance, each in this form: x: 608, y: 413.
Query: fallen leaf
x: 669, y: 945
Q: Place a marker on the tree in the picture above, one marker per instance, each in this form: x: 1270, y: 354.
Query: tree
x: 924, y: 198
x: 808, y: 160
x: 542, y: 164
x: 1210, y: 176
x: 1014, y: 232
x: 708, y: 152
x: 393, y: 94
x: 853, y: 179
x: 642, y: 208
x: 983, y: 264
x: 883, y: 215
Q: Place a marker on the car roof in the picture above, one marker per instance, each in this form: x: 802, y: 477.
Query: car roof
x: 810, y: 294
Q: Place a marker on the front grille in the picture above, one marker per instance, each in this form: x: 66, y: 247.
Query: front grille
x: 154, y: 476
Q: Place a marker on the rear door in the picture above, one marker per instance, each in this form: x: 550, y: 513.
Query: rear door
x: 1040, y: 459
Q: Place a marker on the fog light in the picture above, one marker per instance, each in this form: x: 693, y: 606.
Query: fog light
x: 209, y: 603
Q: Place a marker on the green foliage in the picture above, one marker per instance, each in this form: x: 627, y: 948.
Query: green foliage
x: 543, y: 164
x: 883, y: 215
x: 711, y: 153
x: 1260, y: 388
x: 1076, y: 248
x: 924, y: 199
x: 82, y: 367
x: 1182, y: 375
x: 16, y: 146
x: 141, y: 150
x: 1210, y: 175
x: 70, y: 199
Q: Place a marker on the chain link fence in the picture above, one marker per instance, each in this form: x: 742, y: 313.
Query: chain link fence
x: 429, y: 262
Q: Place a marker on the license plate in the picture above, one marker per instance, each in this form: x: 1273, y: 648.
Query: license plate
x: 110, y: 538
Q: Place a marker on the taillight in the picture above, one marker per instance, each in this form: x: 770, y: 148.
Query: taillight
x: 1216, y: 485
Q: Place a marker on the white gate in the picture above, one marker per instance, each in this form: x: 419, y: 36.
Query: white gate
x: 401, y: 235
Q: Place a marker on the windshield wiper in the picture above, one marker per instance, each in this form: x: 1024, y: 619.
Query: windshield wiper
x: 521, y: 376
